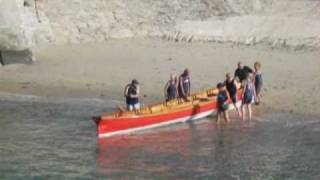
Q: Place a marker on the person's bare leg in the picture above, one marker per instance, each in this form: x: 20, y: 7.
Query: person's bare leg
x: 218, y: 117
x: 238, y: 110
x: 226, y: 116
x: 243, y: 112
x: 250, y: 111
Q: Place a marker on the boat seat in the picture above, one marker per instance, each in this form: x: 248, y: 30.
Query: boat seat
x: 202, y: 95
x: 157, y: 108
x: 143, y: 110
x: 172, y: 102
x: 212, y: 92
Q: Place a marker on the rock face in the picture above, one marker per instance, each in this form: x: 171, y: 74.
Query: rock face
x: 275, y: 22
x: 20, y: 30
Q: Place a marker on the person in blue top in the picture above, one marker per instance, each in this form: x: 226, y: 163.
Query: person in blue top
x: 257, y: 81
x: 184, y: 85
x: 248, y: 94
x: 131, y: 93
x: 222, y: 102
x: 171, y: 88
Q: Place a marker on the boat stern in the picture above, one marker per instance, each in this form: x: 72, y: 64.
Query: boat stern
x: 97, y: 120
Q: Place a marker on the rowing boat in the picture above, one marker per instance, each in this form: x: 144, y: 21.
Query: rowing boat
x: 197, y: 106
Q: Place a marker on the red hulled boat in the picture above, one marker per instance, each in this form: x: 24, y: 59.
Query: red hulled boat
x: 197, y: 106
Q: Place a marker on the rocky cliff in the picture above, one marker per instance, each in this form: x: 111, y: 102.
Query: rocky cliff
x: 276, y: 22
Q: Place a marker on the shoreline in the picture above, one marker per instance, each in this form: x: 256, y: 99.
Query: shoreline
x: 100, y: 71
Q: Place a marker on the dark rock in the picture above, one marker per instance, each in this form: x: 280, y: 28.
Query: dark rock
x: 16, y: 57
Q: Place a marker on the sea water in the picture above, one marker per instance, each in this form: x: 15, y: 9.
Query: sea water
x: 50, y: 139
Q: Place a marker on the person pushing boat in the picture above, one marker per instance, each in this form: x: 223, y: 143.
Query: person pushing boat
x: 231, y: 85
x: 184, y: 84
x: 131, y: 94
x: 171, y: 88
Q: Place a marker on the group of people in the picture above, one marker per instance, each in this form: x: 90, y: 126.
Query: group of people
x: 251, y: 82
x: 180, y: 86
x: 175, y: 87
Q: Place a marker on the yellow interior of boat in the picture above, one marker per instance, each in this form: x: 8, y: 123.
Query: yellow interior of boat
x: 170, y: 106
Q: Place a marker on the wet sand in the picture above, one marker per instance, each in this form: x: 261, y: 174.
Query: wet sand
x: 291, y: 77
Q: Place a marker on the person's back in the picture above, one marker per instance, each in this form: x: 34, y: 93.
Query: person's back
x: 171, y: 90
x: 231, y: 87
x: 132, y: 95
x: 242, y: 71
x: 184, y: 84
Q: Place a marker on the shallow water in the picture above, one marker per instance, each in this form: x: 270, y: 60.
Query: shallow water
x: 56, y: 140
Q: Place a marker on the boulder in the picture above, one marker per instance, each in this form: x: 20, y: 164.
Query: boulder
x: 20, y: 29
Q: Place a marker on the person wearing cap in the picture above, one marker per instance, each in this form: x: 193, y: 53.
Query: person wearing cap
x: 184, y: 85
x: 131, y: 94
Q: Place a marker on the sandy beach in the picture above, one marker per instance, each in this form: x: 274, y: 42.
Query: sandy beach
x: 101, y: 70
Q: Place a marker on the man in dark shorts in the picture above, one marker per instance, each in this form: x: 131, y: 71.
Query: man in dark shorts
x: 231, y: 85
x: 242, y: 71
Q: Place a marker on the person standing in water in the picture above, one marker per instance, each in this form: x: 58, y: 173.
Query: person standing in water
x: 247, y: 97
x: 171, y: 88
x: 222, y: 103
x: 231, y: 85
x: 131, y: 94
x: 184, y: 84
x: 257, y: 82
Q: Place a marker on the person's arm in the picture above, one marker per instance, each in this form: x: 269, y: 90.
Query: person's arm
x: 125, y: 93
x: 236, y: 73
x: 244, y: 89
x: 165, y: 89
x: 254, y: 91
x: 228, y: 95
x: 181, y: 85
x: 189, y: 86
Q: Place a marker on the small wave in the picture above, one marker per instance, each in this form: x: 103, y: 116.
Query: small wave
x: 57, y: 100
x: 291, y: 123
